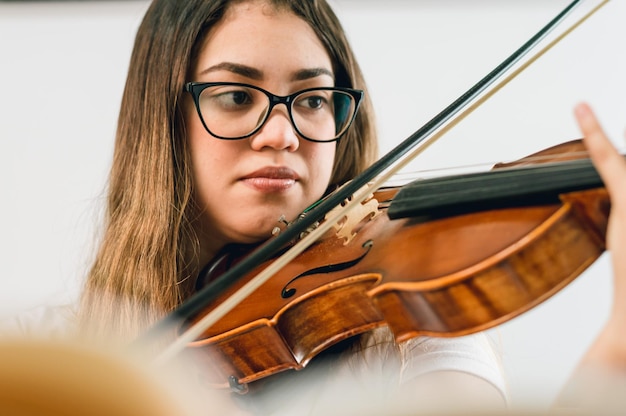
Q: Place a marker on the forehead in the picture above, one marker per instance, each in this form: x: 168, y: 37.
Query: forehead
x: 259, y: 34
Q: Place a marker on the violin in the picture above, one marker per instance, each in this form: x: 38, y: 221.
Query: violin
x: 448, y: 274
x: 396, y: 260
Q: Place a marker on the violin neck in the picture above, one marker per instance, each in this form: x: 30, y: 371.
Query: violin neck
x: 500, y: 188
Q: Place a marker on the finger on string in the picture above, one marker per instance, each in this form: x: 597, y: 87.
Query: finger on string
x: 607, y: 160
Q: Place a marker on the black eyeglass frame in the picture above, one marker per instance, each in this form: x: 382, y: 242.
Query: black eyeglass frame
x: 196, y: 88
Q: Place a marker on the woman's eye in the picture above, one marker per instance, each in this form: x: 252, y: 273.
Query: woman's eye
x: 227, y: 99
x: 314, y: 102
x: 234, y: 98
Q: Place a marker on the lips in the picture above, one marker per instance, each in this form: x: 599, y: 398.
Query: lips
x: 271, y: 179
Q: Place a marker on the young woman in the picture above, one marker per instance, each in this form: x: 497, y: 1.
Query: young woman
x: 210, y: 153
x: 208, y: 156
x: 178, y: 193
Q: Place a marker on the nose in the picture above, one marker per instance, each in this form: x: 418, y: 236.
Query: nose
x: 277, y: 132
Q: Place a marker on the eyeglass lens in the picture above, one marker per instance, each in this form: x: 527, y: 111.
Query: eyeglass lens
x: 234, y: 111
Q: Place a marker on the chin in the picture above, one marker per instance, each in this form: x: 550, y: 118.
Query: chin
x: 255, y: 235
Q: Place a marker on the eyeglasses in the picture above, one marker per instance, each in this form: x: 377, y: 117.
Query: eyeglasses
x: 231, y: 111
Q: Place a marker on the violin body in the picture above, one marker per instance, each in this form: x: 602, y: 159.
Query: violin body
x: 447, y: 276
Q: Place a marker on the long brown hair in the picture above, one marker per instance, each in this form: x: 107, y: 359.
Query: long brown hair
x: 146, y: 262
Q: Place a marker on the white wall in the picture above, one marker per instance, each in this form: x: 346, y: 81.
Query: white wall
x: 62, y: 71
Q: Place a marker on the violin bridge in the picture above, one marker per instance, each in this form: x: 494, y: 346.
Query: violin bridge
x: 349, y: 225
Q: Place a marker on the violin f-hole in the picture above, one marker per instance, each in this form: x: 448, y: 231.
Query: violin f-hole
x: 287, y: 292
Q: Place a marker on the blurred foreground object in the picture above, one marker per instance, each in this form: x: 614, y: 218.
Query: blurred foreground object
x: 66, y: 379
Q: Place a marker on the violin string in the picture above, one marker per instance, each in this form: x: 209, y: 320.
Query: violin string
x: 538, y: 182
x: 403, y: 177
x: 197, y: 329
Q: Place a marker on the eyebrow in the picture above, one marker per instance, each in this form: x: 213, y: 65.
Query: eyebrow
x: 239, y: 69
x: 253, y: 73
x: 305, y: 74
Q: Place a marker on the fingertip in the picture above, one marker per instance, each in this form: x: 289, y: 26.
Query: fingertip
x: 582, y: 109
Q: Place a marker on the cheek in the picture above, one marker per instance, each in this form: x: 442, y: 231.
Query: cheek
x: 324, y: 157
x: 206, y: 186
x: 206, y: 160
